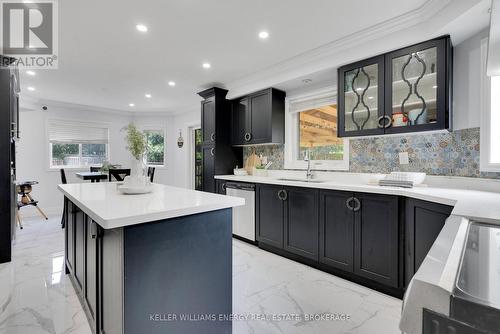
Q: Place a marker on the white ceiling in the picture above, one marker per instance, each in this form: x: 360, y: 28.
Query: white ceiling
x: 105, y: 62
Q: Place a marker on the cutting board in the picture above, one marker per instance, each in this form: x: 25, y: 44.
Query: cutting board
x: 252, y: 161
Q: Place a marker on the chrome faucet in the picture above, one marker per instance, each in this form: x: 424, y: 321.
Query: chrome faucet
x: 309, y: 173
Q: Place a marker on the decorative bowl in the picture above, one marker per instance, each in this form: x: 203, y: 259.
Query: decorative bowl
x: 134, y: 190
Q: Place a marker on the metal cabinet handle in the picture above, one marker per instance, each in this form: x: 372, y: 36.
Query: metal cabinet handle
x: 348, y: 203
x: 212, y: 151
x: 282, y: 195
x: 358, y: 204
x: 212, y: 136
x: 387, y: 122
x: 93, y: 230
x: 248, y: 136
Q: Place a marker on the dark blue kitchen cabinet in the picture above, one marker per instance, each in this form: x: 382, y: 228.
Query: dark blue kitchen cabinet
x: 218, y: 156
x: 336, y: 235
x: 423, y: 222
x: 269, y: 218
x: 258, y: 118
x: 376, y: 238
x: 301, y: 221
x: 288, y: 219
x: 359, y: 233
x: 407, y: 90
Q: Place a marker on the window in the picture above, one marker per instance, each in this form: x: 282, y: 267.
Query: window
x: 490, y: 119
x: 318, y: 134
x: 311, y: 127
x: 156, y: 147
x: 76, y: 144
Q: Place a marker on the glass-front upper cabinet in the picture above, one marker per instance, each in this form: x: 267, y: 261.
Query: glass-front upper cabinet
x: 407, y: 90
x: 417, y: 89
x: 361, y: 98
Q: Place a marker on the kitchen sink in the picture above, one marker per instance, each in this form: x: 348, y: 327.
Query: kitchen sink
x: 302, y: 180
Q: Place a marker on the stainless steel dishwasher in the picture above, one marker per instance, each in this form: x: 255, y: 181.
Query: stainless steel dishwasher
x: 243, y: 216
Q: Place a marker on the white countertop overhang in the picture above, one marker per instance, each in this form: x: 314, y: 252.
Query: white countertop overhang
x: 111, y: 209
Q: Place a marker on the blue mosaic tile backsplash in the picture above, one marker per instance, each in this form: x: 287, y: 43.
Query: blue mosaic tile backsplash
x: 451, y: 153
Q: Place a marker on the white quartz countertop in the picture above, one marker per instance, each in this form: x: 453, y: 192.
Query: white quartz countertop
x: 111, y: 209
x: 476, y: 205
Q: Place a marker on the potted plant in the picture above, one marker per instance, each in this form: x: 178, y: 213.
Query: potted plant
x: 137, y: 145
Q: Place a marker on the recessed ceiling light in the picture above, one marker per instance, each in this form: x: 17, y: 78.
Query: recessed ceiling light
x: 263, y: 34
x: 147, y: 95
x: 307, y: 81
x: 141, y: 28
x: 131, y: 105
x: 32, y: 73
x: 31, y: 89
x: 206, y: 65
x: 434, y: 86
x: 171, y: 83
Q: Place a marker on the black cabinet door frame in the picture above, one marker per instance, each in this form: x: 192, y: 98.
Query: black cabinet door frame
x: 343, y: 247
x: 261, y: 121
x: 443, y: 49
x: 379, y: 237
x: 415, y: 249
x: 277, y: 210
x: 208, y: 121
x: 379, y: 60
x: 301, y: 228
x: 208, y: 166
x: 240, y: 121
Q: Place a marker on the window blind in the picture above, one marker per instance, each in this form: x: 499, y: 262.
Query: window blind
x: 77, y: 132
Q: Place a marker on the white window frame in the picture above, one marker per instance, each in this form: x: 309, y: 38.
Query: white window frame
x: 293, y: 106
x: 486, y: 124
x: 164, y: 130
x: 49, y: 143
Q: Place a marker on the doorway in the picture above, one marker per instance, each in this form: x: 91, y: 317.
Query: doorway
x: 196, y: 158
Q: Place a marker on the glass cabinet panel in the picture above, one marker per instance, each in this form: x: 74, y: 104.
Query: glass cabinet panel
x: 414, y: 88
x: 361, y: 98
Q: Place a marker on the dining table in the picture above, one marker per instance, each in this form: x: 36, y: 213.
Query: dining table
x: 92, y: 176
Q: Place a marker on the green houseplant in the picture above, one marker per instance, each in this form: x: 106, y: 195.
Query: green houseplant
x: 137, y: 145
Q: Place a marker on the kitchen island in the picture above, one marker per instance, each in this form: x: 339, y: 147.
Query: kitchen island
x: 152, y: 263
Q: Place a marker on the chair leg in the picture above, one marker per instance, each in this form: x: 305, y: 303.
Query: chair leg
x: 41, y: 212
x: 19, y: 222
x: 36, y: 206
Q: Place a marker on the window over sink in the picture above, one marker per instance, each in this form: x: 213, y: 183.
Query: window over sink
x: 311, y: 128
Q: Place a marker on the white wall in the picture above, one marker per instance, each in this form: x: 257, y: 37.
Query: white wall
x: 467, y: 77
x: 32, y: 158
x: 181, y: 157
x: 33, y: 149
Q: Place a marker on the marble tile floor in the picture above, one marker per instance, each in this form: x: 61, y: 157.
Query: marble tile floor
x: 36, y: 297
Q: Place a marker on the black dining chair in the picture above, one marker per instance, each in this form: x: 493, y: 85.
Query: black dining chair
x: 95, y: 169
x: 118, y: 174
x: 63, y: 181
x: 151, y: 173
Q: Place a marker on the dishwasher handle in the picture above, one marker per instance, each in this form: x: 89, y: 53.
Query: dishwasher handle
x: 240, y: 186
